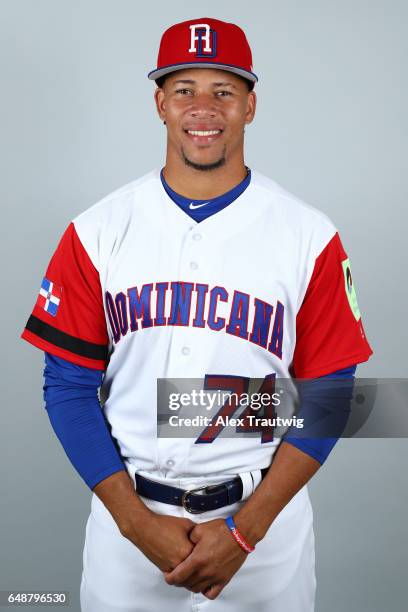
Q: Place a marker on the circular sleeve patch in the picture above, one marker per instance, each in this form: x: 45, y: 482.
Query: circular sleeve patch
x: 350, y: 289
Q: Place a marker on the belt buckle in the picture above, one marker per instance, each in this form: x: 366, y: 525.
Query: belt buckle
x: 184, y: 500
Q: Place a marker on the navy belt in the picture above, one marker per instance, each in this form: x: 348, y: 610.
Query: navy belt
x: 202, y: 499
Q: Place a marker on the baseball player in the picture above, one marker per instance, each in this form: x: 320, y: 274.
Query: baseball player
x: 205, y: 269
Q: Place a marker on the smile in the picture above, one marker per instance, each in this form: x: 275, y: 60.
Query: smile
x: 203, y: 133
x: 203, y: 137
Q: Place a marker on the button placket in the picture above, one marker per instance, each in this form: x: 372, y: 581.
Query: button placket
x: 180, y: 350
x: 193, y: 250
x: 190, y: 255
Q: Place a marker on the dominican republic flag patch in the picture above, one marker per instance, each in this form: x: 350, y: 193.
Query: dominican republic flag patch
x: 49, y: 296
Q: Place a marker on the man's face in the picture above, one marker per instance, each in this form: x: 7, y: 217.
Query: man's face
x: 205, y: 111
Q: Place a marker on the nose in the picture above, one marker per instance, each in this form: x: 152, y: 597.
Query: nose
x: 203, y: 105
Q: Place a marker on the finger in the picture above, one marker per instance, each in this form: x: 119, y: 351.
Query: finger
x: 200, y: 585
x: 190, y: 525
x: 183, y: 571
x: 188, y: 584
x: 194, y: 535
x: 213, y: 591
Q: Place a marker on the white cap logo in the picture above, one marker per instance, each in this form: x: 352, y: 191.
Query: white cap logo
x: 201, y: 33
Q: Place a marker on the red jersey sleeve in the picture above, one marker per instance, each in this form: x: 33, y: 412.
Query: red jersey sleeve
x: 68, y: 318
x: 329, y: 330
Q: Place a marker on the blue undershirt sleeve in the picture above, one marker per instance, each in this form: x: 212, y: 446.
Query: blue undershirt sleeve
x: 72, y: 403
x: 323, y: 406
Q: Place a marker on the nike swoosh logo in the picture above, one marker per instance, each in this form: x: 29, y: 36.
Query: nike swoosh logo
x: 194, y: 206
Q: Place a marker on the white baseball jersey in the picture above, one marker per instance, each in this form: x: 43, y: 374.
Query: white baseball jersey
x: 136, y: 287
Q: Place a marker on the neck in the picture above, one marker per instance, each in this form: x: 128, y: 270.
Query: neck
x: 200, y: 184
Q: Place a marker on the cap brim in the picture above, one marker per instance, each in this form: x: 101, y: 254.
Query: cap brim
x: 159, y: 72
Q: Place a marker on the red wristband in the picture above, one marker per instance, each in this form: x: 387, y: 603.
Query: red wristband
x: 239, y: 538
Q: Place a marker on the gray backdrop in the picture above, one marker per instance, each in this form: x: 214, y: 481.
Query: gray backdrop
x: 78, y: 121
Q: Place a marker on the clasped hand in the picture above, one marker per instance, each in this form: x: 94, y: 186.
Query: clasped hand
x: 201, y: 557
x: 213, y: 561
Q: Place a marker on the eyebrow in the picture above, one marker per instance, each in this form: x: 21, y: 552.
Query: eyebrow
x: 218, y: 84
x: 224, y: 84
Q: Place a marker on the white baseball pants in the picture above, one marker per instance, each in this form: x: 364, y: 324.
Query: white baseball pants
x: 279, y: 576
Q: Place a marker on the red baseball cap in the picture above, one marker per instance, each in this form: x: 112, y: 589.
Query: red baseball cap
x: 204, y: 43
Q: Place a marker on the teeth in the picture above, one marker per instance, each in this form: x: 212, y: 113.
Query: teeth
x: 200, y: 133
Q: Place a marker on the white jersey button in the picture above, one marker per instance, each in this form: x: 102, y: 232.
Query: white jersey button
x: 185, y: 350
x: 193, y: 265
x: 170, y: 462
x: 197, y: 236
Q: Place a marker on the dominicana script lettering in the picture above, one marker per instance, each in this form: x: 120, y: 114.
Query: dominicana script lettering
x: 196, y: 305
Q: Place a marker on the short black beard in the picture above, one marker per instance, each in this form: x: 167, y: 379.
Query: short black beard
x: 205, y: 167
